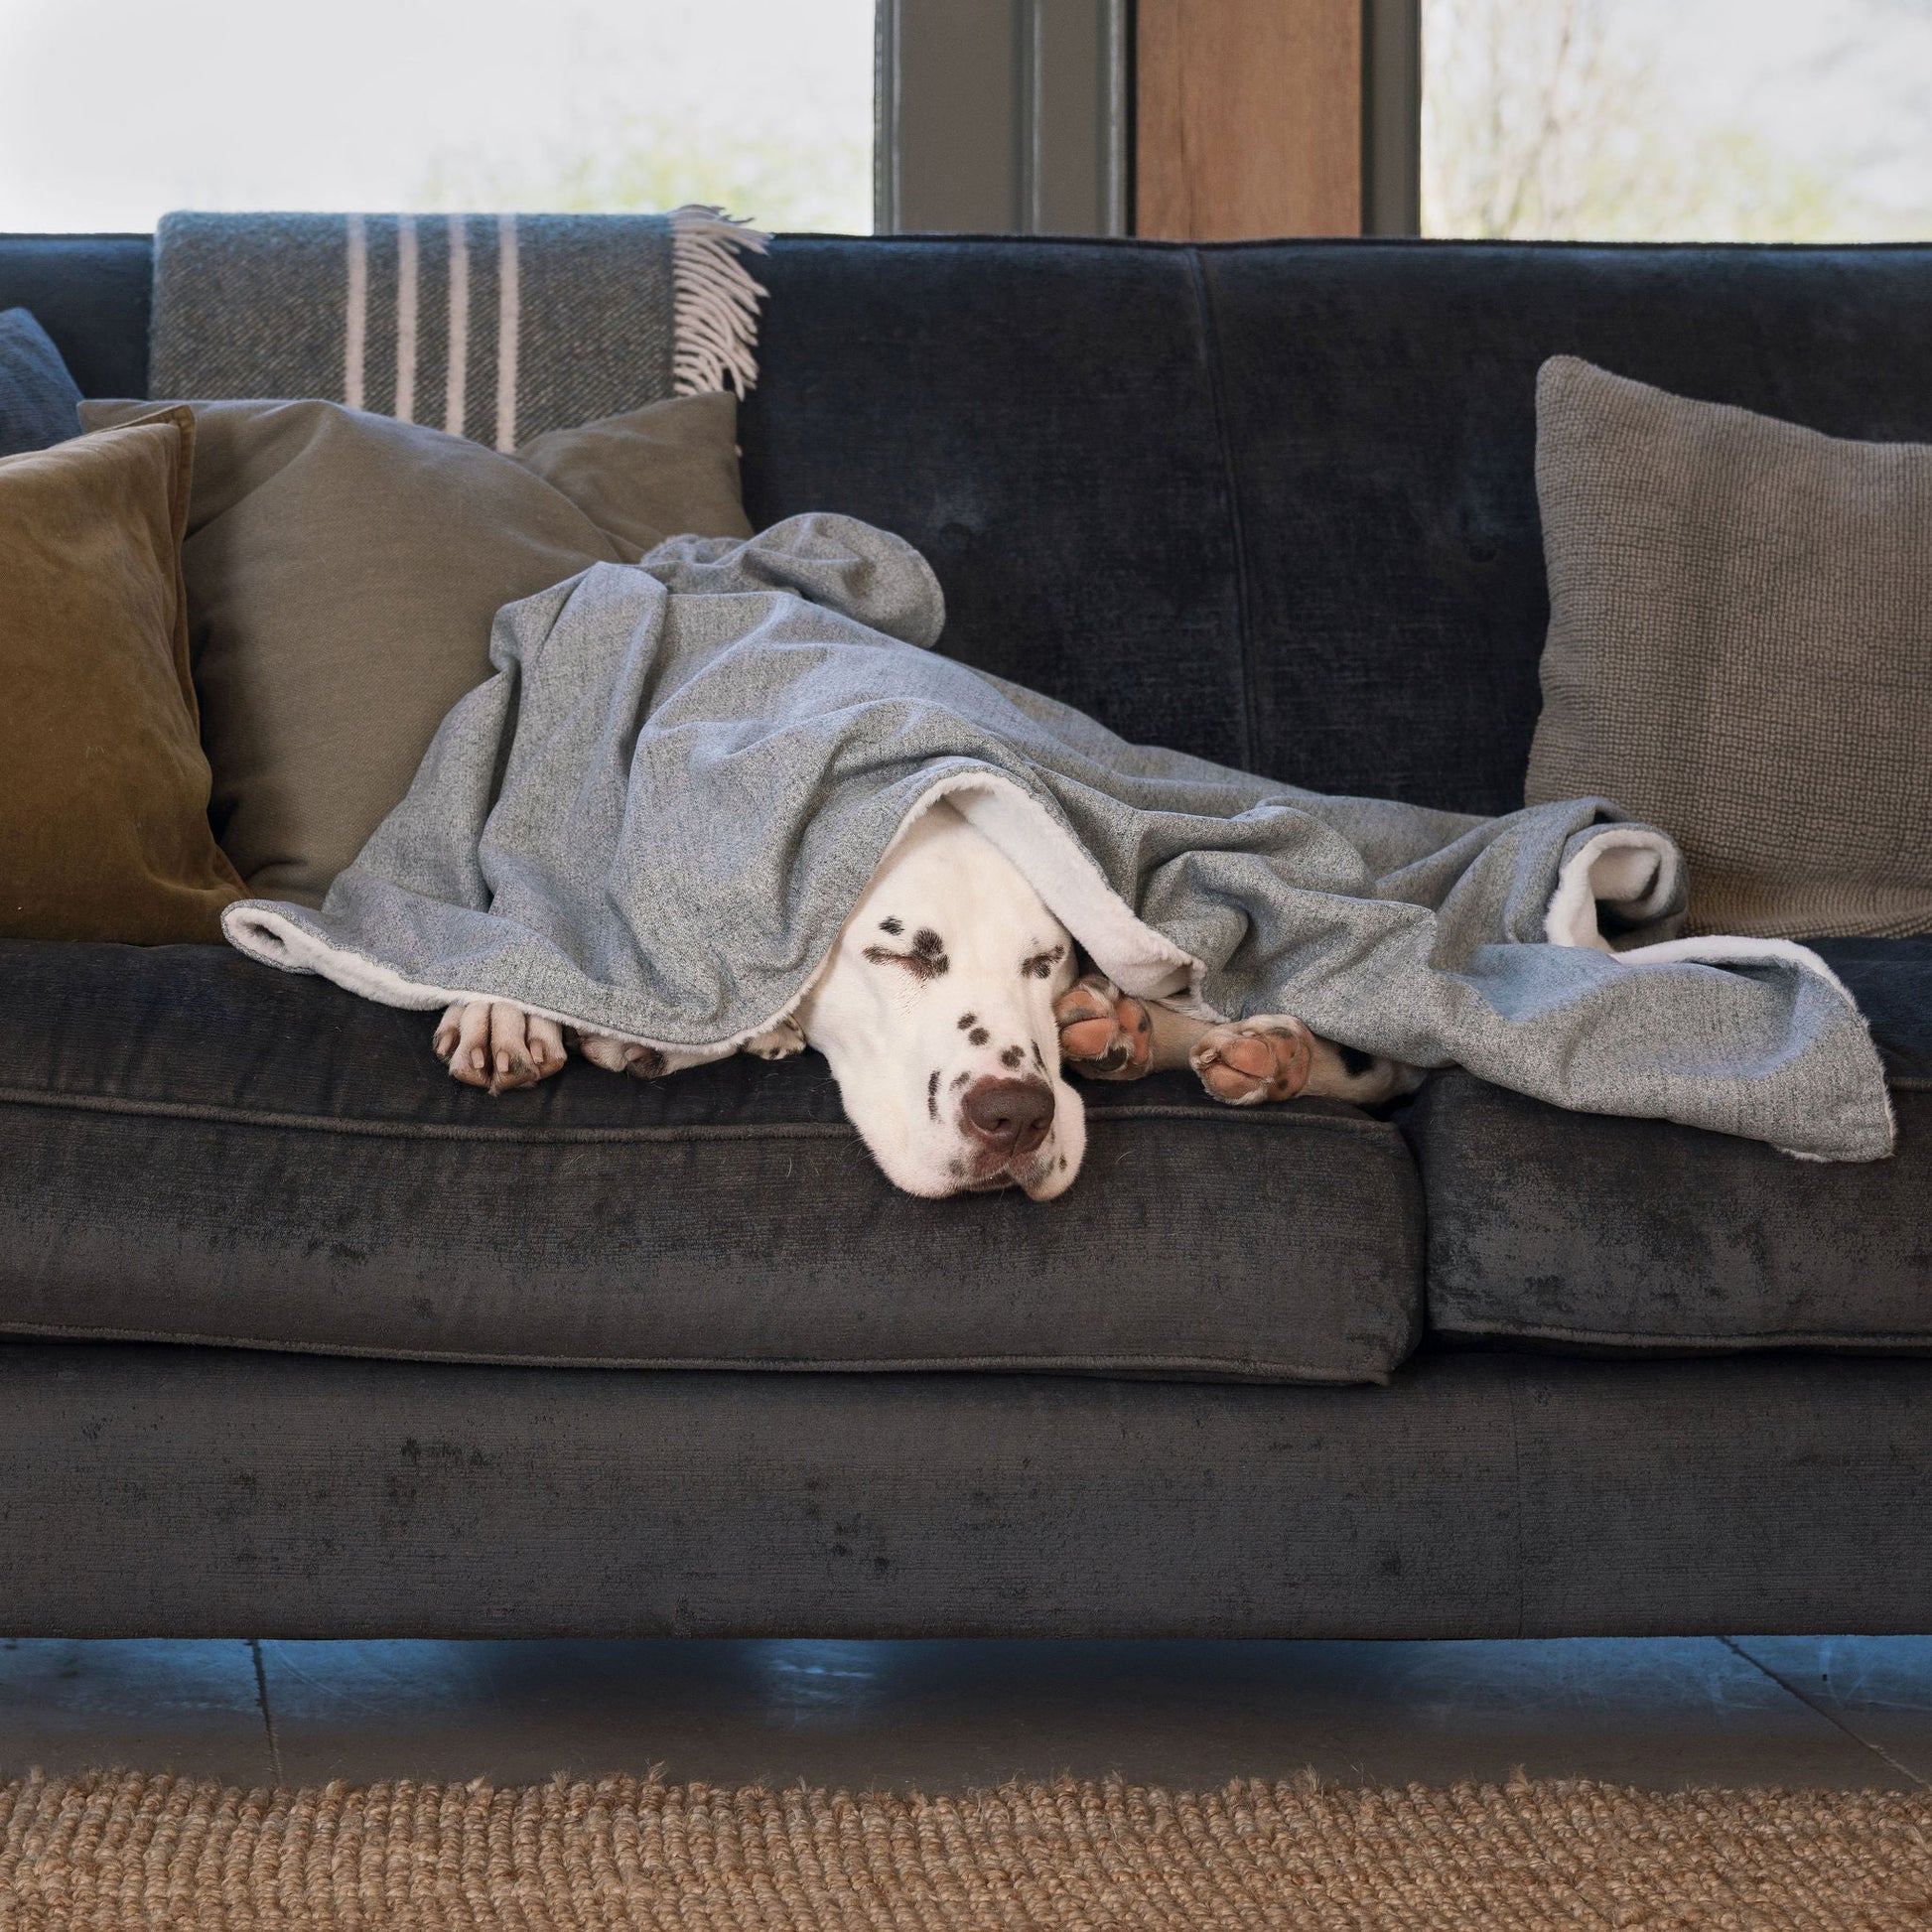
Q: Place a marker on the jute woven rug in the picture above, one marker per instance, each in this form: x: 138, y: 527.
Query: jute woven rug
x: 125, y: 1852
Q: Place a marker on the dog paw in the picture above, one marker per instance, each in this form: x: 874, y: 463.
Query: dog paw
x: 621, y: 1055
x: 491, y: 1045
x: 1104, y: 1034
x: 1252, y: 1060
x: 784, y: 1040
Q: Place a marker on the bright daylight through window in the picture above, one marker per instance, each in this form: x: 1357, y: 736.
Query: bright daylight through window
x: 1709, y: 120
x: 762, y: 105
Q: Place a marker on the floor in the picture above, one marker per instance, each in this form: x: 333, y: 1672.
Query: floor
x: 1660, y: 1711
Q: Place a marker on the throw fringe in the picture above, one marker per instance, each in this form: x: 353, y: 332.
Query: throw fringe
x: 715, y: 303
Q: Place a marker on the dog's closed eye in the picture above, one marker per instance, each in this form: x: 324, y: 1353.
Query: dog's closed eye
x: 925, y: 961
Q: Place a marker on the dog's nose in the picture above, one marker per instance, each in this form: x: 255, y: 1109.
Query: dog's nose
x: 1012, y: 1116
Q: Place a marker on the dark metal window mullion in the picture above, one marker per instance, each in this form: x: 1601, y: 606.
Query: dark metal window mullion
x: 1005, y: 116
x: 1392, y: 117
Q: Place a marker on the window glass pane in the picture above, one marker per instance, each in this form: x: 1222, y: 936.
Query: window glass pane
x: 1752, y: 120
x: 112, y: 111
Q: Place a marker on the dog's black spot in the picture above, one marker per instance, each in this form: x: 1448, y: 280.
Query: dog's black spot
x: 959, y: 1080
x: 968, y: 1020
x: 930, y: 952
x: 1041, y: 965
x: 1063, y: 1163
x: 1011, y: 1057
x: 957, y: 1169
x: 891, y: 925
x: 979, y: 1035
x: 933, y: 1095
x: 1355, y: 1061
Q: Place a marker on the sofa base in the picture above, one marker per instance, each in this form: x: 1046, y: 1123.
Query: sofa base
x: 158, y: 1491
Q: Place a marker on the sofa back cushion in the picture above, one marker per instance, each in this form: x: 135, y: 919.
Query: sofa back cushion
x: 1041, y: 420
x: 1272, y: 503
x: 92, y: 294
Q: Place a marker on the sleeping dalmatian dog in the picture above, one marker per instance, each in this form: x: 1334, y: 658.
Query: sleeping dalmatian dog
x: 952, y: 1003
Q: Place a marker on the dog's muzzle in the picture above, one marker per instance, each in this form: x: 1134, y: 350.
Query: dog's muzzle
x: 1006, y: 1123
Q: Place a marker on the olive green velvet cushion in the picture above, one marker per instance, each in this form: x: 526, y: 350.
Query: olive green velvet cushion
x: 1740, y: 650
x: 103, y: 813
x: 343, y: 571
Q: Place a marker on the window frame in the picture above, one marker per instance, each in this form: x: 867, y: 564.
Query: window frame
x: 1111, y: 117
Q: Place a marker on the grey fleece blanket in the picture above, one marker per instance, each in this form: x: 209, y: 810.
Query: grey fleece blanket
x: 655, y: 818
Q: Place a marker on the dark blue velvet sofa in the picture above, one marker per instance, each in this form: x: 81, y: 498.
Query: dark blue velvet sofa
x: 297, y: 1337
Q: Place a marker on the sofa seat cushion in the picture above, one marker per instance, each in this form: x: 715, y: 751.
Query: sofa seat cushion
x: 1581, y: 1230
x: 198, y: 1148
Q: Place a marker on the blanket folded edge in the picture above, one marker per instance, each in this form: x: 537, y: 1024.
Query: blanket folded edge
x: 294, y: 939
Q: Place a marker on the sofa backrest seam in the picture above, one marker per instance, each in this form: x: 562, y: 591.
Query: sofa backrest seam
x: 1237, y: 532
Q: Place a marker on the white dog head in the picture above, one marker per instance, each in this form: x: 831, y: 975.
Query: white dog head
x: 937, y: 1014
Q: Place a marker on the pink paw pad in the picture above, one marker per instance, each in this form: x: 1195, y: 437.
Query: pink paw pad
x: 1104, y: 1034
x: 1252, y: 1060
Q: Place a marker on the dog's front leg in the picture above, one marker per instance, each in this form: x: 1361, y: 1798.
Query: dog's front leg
x: 632, y: 1057
x: 492, y: 1044
x: 781, y: 1043
x: 1105, y: 1033
x: 1274, y: 1057
x: 1108, y: 1034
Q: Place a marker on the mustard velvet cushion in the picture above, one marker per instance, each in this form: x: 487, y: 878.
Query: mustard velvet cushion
x: 104, y: 816
x: 343, y: 572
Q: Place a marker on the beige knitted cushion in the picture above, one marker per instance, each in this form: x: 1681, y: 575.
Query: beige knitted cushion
x: 1740, y: 650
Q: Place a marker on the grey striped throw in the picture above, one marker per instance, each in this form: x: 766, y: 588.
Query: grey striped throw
x: 493, y: 327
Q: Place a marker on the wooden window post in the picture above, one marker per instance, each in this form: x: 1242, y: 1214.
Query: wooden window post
x: 1249, y: 119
